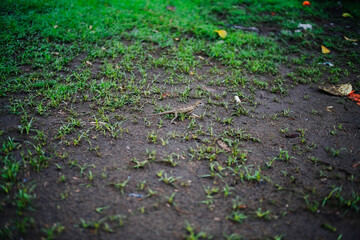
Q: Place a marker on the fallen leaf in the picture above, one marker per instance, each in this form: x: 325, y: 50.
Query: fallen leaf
x: 330, y: 109
x: 223, y: 146
x: 350, y: 40
x: 337, y: 89
x: 222, y: 33
x: 324, y: 50
x: 191, y: 73
x: 306, y: 3
x: 273, y: 14
x: 355, y: 97
x: 347, y: 15
x: 88, y: 63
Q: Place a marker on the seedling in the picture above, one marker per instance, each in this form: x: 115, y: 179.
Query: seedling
x: 141, y: 185
x: 312, y: 206
x: 8, y: 146
x: 26, y: 126
x: 284, y: 155
x: 227, y: 190
x: 53, y: 231
x: 90, y: 176
x: 101, y: 209
x: 171, y: 199
x: 270, y: 162
x: 333, y: 152
x: 139, y: 164
x: 170, y: 159
x: 261, y: 214
x: 237, y: 216
x: 168, y: 180
x: 192, y: 235
x: 152, y: 137
x: 62, y: 178
x: 151, y: 192
x: 211, y: 190
x: 121, y: 185
x: 151, y: 155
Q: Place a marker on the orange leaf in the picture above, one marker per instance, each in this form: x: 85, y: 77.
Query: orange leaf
x: 355, y: 97
x: 324, y: 50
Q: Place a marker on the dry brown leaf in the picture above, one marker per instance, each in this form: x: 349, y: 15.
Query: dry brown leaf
x: 338, y: 89
x: 330, y: 109
x: 350, y: 40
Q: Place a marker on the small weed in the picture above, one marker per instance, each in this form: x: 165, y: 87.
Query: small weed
x: 333, y: 152
x: 237, y: 216
x: 284, y: 155
x: 168, y: 180
x: 261, y: 214
x: 192, y: 235
x: 171, y: 159
x: 53, y: 231
x: 170, y: 199
x: 211, y: 190
x: 121, y: 185
x: 312, y: 206
x: 141, y: 185
x: 152, y: 137
x: 227, y: 190
x: 9, y: 145
x: 139, y: 164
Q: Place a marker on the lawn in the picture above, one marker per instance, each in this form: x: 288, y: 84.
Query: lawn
x: 86, y: 153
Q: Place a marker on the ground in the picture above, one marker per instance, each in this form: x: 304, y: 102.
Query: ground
x: 270, y: 156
